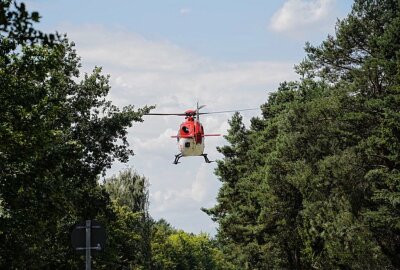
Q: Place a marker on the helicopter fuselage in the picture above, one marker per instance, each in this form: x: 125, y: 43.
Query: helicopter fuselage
x: 189, y: 147
x: 191, y: 138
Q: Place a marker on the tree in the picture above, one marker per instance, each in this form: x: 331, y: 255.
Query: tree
x: 320, y: 171
x: 130, y: 232
x: 239, y: 210
x: 365, y: 55
x: 58, y: 133
x: 176, y: 249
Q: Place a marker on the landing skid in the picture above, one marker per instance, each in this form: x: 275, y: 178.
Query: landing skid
x: 178, y: 156
x: 206, y: 158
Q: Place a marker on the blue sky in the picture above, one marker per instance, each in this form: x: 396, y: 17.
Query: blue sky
x: 226, y: 54
x: 226, y: 30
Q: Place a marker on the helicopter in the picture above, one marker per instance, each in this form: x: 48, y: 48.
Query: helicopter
x: 190, y: 137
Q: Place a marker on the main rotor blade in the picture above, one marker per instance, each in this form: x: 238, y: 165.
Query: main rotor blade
x: 251, y: 109
x: 177, y: 114
x: 197, y: 111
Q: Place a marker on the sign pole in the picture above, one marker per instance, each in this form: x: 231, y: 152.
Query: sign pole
x: 88, y: 238
x: 88, y: 245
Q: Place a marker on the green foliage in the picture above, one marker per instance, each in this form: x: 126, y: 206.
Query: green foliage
x: 129, y: 242
x: 175, y: 249
x: 129, y: 189
x: 16, y: 27
x: 58, y: 133
x: 314, y: 184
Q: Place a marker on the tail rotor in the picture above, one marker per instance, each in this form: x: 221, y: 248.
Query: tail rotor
x: 198, y: 111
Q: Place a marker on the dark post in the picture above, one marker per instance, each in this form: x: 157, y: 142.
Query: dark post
x: 88, y: 244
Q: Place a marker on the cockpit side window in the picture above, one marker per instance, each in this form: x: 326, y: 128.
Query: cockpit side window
x: 185, y: 129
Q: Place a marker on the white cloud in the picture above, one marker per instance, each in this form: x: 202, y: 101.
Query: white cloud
x: 156, y: 143
x: 297, y: 17
x: 145, y: 71
x: 185, y: 11
x: 124, y: 50
x: 199, y: 188
x: 190, y: 193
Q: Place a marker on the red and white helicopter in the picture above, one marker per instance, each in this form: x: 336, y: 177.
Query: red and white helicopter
x: 191, y: 135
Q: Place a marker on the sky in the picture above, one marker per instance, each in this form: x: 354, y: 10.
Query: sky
x: 225, y: 54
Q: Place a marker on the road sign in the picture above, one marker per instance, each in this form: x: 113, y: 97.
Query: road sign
x: 97, y: 235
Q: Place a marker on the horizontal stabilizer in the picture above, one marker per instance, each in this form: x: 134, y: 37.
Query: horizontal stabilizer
x: 211, y: 135
x: 205, y: 135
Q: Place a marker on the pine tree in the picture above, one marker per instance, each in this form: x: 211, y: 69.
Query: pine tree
x: 321, y: 168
